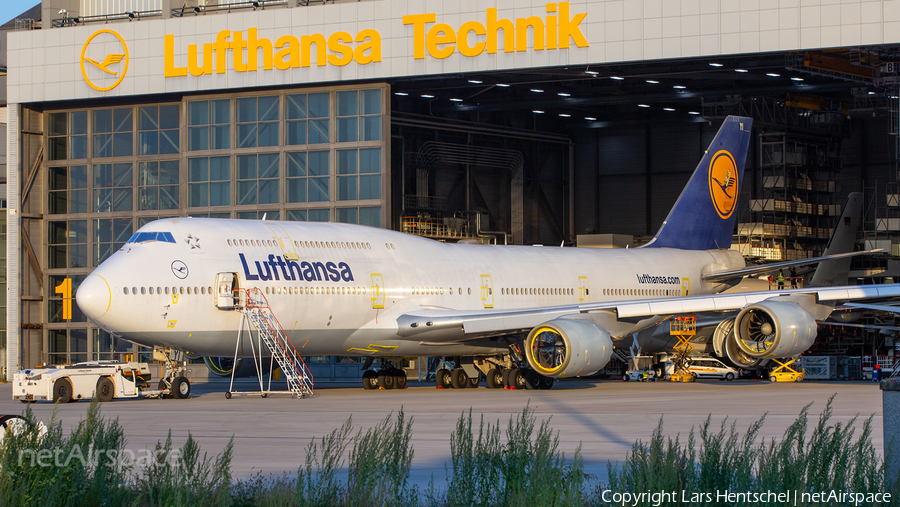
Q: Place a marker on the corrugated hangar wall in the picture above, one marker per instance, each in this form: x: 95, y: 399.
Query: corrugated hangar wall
x: 629, y: 178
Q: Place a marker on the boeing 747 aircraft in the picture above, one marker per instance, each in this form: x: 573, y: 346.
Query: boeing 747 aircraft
x: 522, y: 315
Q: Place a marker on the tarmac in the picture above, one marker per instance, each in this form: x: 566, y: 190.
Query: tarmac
x: 603, y: 417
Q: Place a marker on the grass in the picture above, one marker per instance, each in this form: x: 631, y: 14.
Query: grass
x: 491, y: 465
x: 830, y: 458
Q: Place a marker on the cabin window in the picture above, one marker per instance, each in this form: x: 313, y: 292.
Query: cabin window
x: 143, y: 290
x: 134, y: 290
x: 125, y: 290
x: 151, y: 291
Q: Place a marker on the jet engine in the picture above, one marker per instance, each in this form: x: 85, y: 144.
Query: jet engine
x: 725, y: 346
x: 774, y: 329
x: 565, y: 348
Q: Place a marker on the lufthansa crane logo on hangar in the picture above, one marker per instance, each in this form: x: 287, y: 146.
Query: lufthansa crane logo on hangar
x: 104, y: 60
x: 723, y: 183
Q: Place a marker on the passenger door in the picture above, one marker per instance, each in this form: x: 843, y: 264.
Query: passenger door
x: 487, y: 291
x: 225, y: 290
x: 584, y: 290
x: 377, y: 291
x: 284, y: 240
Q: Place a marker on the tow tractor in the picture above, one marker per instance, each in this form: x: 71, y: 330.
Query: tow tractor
x: 109, y: 379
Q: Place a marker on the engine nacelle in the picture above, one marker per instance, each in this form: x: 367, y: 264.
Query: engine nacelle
x: 726, y: 347
x: 774, y: 329
x: 568, y: 348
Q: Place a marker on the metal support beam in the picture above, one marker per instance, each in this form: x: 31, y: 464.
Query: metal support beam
x: 13, y: 317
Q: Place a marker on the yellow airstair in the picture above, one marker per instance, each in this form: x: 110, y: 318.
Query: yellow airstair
x: 684, y: 328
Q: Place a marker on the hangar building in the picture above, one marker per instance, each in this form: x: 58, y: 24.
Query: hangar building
x: 518, y: 121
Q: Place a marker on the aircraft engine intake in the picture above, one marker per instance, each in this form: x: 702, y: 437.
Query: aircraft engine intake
x: 726, y: 347
x: 565, y: 348
x: 773, y: 329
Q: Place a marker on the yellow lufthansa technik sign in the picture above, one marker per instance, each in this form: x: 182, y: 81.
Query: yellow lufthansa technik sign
x: 106, y: 65
x: 105, y: 57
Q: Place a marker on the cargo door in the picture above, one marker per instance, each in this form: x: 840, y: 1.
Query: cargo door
x: 487, y: 291
x: 584, y: 289
x: 284, y: 241
x: 377, y: 291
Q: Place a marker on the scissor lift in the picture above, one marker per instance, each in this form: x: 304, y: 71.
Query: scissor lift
x: 784, y: 372
x: 684, y: 328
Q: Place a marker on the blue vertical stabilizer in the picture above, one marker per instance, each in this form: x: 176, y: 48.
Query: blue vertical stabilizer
x: 703, y: 216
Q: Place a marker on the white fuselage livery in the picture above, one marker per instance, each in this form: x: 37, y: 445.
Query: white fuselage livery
x: 338, y: 289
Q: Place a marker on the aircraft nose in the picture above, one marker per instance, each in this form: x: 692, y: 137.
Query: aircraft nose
x: 94, y: 296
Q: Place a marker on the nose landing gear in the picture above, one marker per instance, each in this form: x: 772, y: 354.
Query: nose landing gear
x: 174, y: 369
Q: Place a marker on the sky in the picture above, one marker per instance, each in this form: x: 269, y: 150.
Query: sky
x: 12, y: 8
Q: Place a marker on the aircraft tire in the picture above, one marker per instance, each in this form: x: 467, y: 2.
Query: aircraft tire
x: 181, y: 388
x: 494, y: 378
x: 443, y: 379
x: 459, y: 379
x: 399, y: 379
x: 62, y: 390
x: 385, y: 379
x: 532, y: 382
x: 473, y: 382
x: 105, y: 389
x: 546, y: 382
x: 369, y: 381
x: 516, y: 379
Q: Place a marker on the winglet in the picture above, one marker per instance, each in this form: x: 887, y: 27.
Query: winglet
x: 704, y: 214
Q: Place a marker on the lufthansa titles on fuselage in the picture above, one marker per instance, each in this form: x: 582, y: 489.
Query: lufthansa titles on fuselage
x: 277, y: 268
x: 668, y: 280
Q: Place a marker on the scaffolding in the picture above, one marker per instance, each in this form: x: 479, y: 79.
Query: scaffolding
x: 793, y: 214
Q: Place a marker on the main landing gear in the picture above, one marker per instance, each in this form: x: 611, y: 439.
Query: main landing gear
x: 388, y: 377
x: 468, y: 372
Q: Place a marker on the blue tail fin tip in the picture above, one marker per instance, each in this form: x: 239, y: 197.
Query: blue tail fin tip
x: 703, y: 216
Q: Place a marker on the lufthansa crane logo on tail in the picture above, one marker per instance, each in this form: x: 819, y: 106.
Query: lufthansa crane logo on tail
x: 104, y: 60
x: 723, y: 183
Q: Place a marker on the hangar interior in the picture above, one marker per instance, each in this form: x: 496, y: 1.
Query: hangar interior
x: 533, y: 156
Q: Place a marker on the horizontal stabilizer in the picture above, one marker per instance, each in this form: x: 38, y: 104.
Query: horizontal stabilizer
x: 731, y: 274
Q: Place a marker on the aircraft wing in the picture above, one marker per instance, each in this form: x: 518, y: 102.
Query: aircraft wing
x: 441, y: 325
x: 730, y: 274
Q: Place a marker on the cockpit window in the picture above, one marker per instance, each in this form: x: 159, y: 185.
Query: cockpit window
x: 146, y: 237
